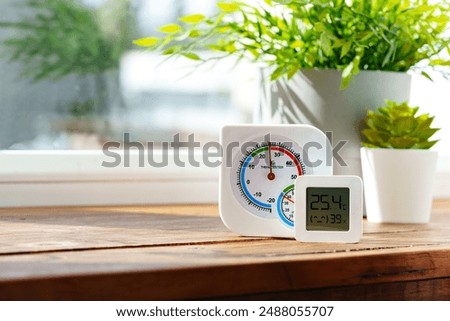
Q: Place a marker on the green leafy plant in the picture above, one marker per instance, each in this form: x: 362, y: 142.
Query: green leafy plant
x: 289, y: 35
x: 397, y: 126
x: 64, y: 37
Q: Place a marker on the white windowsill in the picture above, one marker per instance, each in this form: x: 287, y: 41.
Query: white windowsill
x: 76, y: 178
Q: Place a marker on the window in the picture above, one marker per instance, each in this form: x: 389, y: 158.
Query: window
x: 89, y: 85
x: 108, y: 87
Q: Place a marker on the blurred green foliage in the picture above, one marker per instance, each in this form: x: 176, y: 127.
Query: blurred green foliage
x: 63, y: 37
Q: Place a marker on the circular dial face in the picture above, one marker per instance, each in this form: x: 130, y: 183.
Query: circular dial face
x: 263, y: 173
x: 286, y: 205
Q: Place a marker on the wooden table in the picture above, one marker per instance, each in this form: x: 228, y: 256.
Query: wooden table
x: 184, y: 252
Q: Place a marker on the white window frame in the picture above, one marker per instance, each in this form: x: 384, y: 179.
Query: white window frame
x: 77, y: 178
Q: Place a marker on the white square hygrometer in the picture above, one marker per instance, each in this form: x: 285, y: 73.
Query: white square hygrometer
x: 258, y: 172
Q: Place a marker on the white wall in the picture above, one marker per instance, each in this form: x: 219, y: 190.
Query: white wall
x: 434, y: 98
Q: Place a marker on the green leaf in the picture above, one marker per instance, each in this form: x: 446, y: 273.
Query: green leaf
x: 277, y: 73
x: 215, y: 47
x: 426, y: 75
x: 230, y: 47
x: 378, y: 121
x: 172, y: 50
x: 349, y: 71
x: 297, y: 44
x: 228, y: 7
x: 292, y: 71
x: 403, y: 142
x: 427, y: 133
x: 439, y: 62
x: 146, y: 42
x: 320, y: 26
x: 421, y: 9
x: 193, y: 18
x: 390, y: 55
x: 425, y: 145
x: 254, y: 53
x: 194, y: 34
x: 171, y: 28
x: 325, y: 43
x: 345, y: 49
x: 376, y: 137
x: 224, y: 29
x: 191, y: 55
x: 402, y: 110
x: 424, y: 122
x: 404, y: 126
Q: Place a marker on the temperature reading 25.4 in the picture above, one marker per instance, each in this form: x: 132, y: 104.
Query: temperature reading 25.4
x: 327, y: 209
x: 326, y: 202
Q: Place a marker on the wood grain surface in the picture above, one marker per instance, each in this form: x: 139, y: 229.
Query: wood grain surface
x: 185, y: 252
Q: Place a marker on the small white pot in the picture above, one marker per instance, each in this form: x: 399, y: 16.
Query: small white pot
x: 398, y: 184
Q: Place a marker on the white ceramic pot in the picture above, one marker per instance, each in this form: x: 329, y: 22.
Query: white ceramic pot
x: 398, y: 184
x: 314, y: 97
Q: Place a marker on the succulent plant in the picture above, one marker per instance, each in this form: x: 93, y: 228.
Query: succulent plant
x: 396, y: 125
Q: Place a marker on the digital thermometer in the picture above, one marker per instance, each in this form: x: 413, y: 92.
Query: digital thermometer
x: 328, y: 209
x: 259, y: 168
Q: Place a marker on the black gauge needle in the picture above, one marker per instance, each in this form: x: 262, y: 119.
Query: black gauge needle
x: 286, y: 198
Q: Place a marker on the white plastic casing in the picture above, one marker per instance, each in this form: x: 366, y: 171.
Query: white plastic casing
x: 233, y: 214
x: 354, y: 234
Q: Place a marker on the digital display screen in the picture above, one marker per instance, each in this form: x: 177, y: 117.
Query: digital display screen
x: 327, y: 209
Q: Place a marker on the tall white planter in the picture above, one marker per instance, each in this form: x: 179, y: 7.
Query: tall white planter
x: 314, y: 97
x: 398, y: 184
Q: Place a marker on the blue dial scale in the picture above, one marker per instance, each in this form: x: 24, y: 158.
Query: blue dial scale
x: 286, y: 205
x: 265, y: 179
